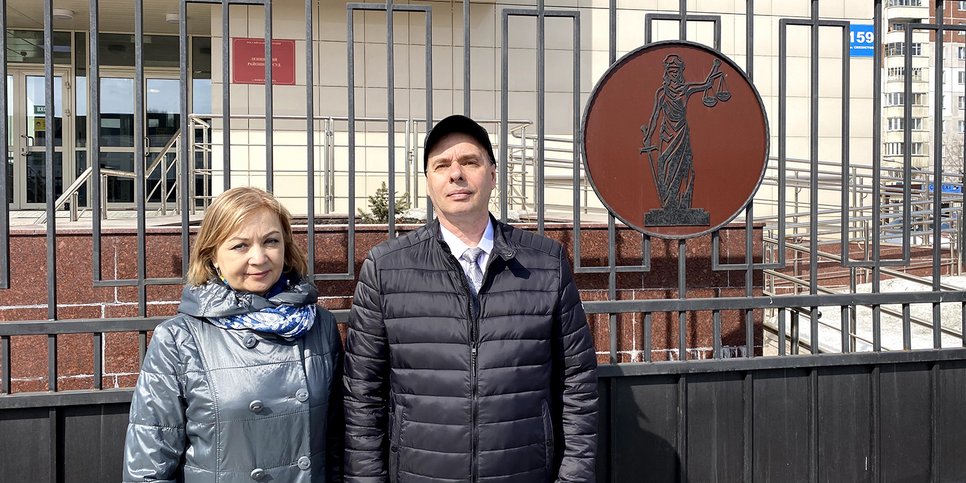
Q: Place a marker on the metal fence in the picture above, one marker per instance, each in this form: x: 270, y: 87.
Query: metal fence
x: 791, y: 417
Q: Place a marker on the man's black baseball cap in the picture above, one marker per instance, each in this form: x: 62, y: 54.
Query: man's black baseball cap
x: 456, y: 124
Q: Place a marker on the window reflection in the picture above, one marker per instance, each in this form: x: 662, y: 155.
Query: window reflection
x: 36, y: 112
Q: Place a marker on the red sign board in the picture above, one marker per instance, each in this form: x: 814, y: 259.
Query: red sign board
x: 248, y: 61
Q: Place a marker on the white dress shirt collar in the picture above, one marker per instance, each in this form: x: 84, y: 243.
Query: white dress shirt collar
x: 457, y: 247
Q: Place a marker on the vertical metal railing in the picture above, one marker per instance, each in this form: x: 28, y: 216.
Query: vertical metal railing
x: 5, y: 192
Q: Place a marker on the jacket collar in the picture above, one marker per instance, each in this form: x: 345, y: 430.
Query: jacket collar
x: 501, y: 247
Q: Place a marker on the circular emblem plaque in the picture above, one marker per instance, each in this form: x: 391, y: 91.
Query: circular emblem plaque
x: 675, y: 139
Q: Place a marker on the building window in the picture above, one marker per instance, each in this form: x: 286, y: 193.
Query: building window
x: 918, y: 99
x: 962, y: 125
x: 962, y: 5
x: 961, y: 52
x: 899, y: 48
x: 896, y: 123
x: 961, y: 77
x: 962, y: 102
x: 907, y: 3
x: 896, y: 149
x: 896, y: 73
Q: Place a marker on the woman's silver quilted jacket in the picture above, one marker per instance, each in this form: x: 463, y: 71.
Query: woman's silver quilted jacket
x: 224, y: 405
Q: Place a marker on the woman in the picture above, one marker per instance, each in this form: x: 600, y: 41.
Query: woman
x: 245, y: 382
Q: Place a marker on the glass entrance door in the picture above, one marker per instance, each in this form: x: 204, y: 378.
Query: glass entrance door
x: 28, y: 135
x: 117, y: 131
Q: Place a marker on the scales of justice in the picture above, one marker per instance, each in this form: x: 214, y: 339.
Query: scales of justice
x: 673, y: 170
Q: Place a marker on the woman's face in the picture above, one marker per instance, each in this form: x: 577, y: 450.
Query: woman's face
x: 252, y: 258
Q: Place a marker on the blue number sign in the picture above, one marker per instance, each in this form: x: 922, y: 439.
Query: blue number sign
x: 861, y: 40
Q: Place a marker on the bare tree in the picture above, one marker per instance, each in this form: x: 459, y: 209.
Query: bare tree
x: 953, y: 153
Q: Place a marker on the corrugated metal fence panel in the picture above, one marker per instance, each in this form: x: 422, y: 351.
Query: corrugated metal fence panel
x: 841, y: 422
x: 25, y: 447
x: 809, y: 423
x: 67, y: 444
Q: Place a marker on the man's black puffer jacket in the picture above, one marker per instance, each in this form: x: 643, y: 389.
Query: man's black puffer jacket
x: 435, y: 393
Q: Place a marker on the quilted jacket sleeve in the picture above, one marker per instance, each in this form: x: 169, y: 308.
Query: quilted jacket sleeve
x: 155, y: 440
x: 579, y: 365
x: 366, y: 383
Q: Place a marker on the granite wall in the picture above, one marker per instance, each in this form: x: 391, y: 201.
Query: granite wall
x: 79, y: 298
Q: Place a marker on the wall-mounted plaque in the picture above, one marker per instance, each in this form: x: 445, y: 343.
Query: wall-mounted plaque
x: 675, y: 139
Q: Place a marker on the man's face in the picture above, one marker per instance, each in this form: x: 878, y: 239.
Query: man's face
x: 459, y: 179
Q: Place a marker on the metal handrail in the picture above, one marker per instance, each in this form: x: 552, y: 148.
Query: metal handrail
x: 72, y: 191
x: 159, y: 160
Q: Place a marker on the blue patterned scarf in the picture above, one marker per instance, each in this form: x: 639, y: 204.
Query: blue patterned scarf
x: 288, y: 321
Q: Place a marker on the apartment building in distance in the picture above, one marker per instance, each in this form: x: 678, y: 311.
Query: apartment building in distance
x: 928, y: 122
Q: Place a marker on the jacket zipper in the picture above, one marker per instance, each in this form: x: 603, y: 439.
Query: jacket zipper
x: 474, y: 437
x: 474, y: 342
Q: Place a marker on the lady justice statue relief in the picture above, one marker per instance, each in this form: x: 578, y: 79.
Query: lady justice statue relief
x: 667, y: 133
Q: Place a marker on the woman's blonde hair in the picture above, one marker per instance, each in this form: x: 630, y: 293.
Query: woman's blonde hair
x: 225, y: 217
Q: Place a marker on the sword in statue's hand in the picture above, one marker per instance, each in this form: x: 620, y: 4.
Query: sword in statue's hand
x: 648, y: 149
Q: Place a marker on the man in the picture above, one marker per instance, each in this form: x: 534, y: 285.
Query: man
x: 468, y: 356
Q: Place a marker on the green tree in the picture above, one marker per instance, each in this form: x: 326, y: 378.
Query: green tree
x: 379, y: 207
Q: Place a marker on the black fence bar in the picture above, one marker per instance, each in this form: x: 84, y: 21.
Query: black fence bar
x: 502, y: 165
x: 52, y: 362
x: 648, y: 343
x: 310, y: 135
x: 782, y: 333
x: 906, y: 327
x: 612, y: 287
x: 98, y: 352
x: 5, y: 364
x: 140, y: 160
x: 187, y: 163
x: 142, y: 346
x: 749, y: 208
x: 269, y: 104
x: 4, y: 154
x: 813, y: 175
x: 682, y: 295
x: 937, y: 175
x: 467, y: 65
x: 391, y: 116
x: 539, y: 154
x: 94, y: 154
x: 225, y: 92
x: 49, y: 160
x: 650, y: 18
x: 845, y: 315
